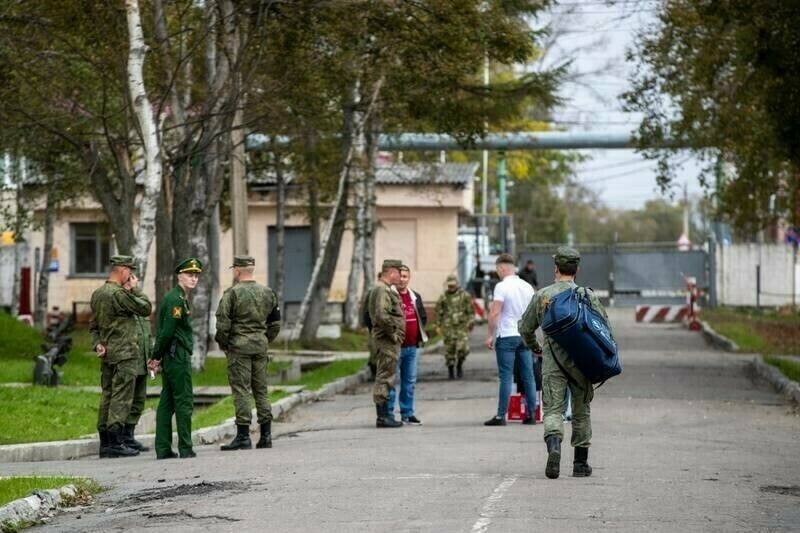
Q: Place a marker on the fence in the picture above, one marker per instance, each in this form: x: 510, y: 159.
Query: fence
x: 756, y: 275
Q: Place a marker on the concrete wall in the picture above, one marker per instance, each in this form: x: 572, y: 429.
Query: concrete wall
x: 736, y: 275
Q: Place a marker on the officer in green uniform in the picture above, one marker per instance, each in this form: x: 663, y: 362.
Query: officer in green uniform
x: 388, y: 332
x: 560, y: 372
x: 140, y: 387
x: 248, y: 319
x: 455, y: 317
x: 173, y: 351
x: 113, y: 326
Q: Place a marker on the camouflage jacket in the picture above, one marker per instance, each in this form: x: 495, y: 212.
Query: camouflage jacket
x: 386, y: 314
x: 145, y: 343
x: 248, y: 318
x: 454, y: 310
x: 113, y: 322
x: 174, y: 325
x: 534, y: 315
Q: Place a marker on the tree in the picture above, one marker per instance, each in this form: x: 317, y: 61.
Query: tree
x: 723, y: 78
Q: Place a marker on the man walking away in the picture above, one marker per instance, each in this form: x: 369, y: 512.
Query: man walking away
x: 415, y: 336
x: 511, y: 299
x: 559, y: 372
x: 388, y: 333
x: 173, y: 350
x: 528, y: 274
x: 455, y: 317
x: 248, y: 319
x: 115, y: 307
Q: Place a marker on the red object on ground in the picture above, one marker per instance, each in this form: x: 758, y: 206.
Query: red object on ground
x: 516, y: 408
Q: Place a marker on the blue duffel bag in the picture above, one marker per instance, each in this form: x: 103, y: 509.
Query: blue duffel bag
x: 571, y: 322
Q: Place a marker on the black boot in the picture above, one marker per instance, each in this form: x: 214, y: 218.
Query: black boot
x: 103, y: 444
x: 132, y: 443
x: 580, y: 466
x: 116, y: 444
x: 241, y: 441
x: 553, y: 467
x: 266, y: 436
x: 373, y: 371
x: 385, y: 420
x: 460, y: 369
x: 451, y: 372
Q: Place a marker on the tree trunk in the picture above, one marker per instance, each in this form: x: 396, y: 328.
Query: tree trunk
x: 165, y: 258
x: 44, y: 274
x: 280, y: 232
x: 238, y: 186
x: 149, y: 134
x: 352, y: 301
x: 16, y: 179
x: 371, y: 219
x: 313, y: 215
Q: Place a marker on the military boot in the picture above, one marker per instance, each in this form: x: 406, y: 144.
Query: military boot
x: 580, y: 466
x: 553, y: 467
x: 130, y: 442
x: 385, y: 420
x: 103, y: 445
x: 241, y: 441
x: 460, y: 369
x: 116, y: 445
x: 451, y: 372
x: 266, y: 436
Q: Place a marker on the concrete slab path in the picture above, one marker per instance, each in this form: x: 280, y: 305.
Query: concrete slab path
x: 683, y: 441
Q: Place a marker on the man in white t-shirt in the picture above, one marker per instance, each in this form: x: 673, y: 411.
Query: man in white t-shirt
x: 510, y: 300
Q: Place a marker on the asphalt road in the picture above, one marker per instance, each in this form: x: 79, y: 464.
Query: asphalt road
x: 683, y: 441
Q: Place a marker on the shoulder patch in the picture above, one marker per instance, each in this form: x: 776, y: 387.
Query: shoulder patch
x: 177, y: 311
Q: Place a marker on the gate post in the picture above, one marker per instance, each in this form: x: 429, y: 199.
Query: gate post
x: 711, y: 263
x: 611, y: 251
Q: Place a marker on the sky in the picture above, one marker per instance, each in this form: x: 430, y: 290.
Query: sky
x: 595, y: 36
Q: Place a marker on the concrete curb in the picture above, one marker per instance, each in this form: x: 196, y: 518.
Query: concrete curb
x: 73, y: 449
x: 35, y: 507
x: 772, y: 375
x: 715, y: 339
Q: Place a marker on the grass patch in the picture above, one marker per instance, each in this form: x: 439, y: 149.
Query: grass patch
x: 766, y: 331
x: 45, y: 414
x: 790, y: 369
x: 16, y: 487
x: 317, y: 378
x: 222, y: 410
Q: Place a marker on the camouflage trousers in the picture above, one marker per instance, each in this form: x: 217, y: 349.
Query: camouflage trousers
x: 386, y: 356
x: 139, y: 399
x: 371, y: 348
x: 554, y: 388
x: 456, y: 348
x: 246, y: 373
x: 117, y: 381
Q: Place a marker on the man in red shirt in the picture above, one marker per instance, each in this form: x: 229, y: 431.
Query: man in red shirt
x: 416, y: 319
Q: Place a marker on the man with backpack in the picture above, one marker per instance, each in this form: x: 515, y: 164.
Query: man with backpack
x: 560, y: 372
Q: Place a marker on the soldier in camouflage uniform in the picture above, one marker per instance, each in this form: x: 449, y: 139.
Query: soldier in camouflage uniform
x: 248, y: 319
x: 115, y: 339
x: 173, y: 350
x: 388, y: 332
x: 373, y: 367
x: 140, y: 387
x: 560, y: 372
x: 455, y: 317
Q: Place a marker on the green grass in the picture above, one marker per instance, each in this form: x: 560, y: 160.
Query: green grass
x: 317, y: 378
x: 766, y: 331
x: 790, y: 369
x: 34, y: 414
x: 16, y: 487
x: 222, y: 410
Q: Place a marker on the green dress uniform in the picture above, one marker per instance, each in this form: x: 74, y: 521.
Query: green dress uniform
x: 559, y: 370
x: 388, y: 332
x: 113, y: 324
x: 140, y: 387
x: 456, y: 317
x: 248, y: 319
x: 174, y: 346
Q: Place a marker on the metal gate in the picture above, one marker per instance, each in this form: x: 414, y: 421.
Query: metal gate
x: 629, y: 274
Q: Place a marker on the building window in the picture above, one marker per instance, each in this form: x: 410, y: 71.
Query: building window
x: 91, y: 249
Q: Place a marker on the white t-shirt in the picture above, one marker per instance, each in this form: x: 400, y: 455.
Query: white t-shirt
x: 515, y: 294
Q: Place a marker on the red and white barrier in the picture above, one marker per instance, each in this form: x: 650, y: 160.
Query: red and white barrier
x: 661, y: 313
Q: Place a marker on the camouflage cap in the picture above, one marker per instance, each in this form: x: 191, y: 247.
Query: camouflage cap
x: 243, y: 261
x: 566, y: 255
x: 191, y: 264
x: 392, y: 263
x: 452, y: 279
x: 123, y: 261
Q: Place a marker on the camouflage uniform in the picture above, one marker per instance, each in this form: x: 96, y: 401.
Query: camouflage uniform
x: 145, y: 337
x: 248, y: 319
x: 559, y: 371
x: 114, y: 325
x: 387, y: 334
x: 455, y: 316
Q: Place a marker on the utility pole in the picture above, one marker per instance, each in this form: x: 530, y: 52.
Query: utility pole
x: 238, y: 186
x: 485, y: 182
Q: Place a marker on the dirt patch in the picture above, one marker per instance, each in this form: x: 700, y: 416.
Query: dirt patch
x: 791, y: 490
x: 191, y: 489
x: 179, y: 515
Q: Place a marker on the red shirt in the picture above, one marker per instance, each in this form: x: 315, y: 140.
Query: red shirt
x: 410, y: 312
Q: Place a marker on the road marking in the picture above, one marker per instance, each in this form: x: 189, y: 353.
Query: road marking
x: 487, y: 513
